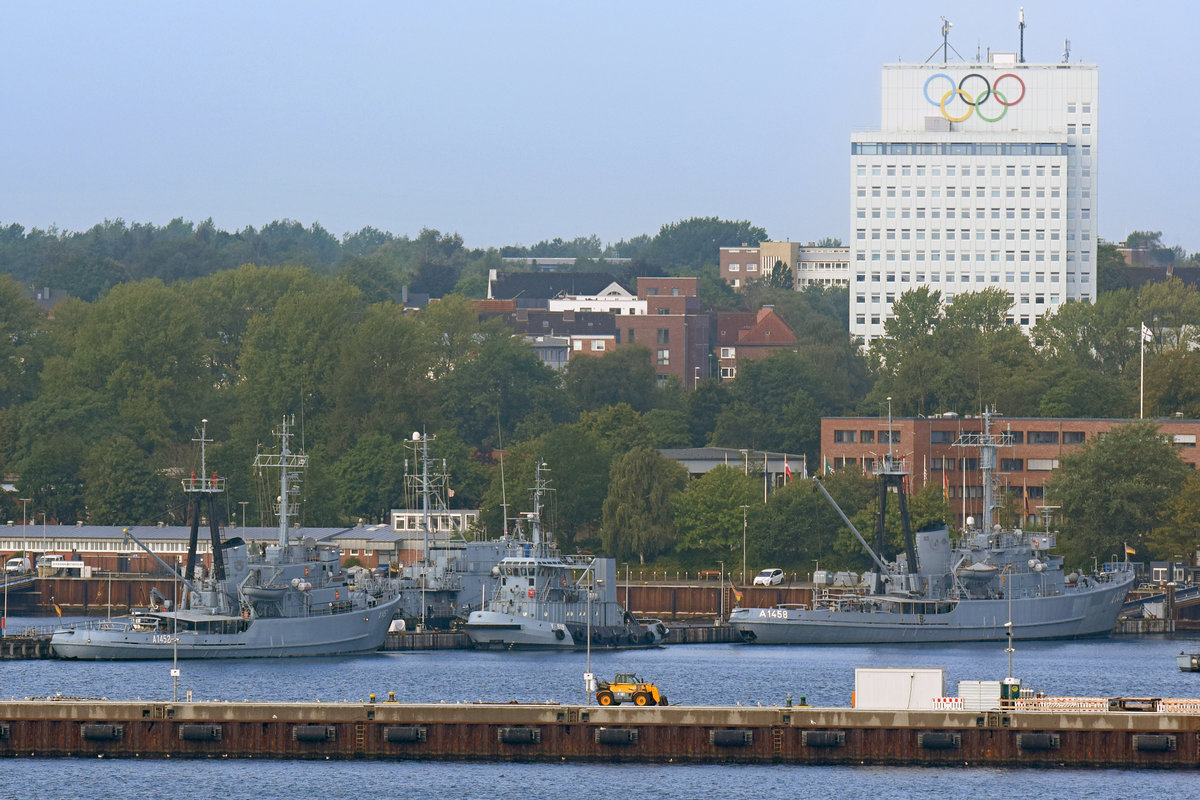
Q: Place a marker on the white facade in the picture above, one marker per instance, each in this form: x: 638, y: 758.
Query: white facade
x: 613, y: 300
x: 981, y: 175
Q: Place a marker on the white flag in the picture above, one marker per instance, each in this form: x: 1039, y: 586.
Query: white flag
x: 1147, y: 336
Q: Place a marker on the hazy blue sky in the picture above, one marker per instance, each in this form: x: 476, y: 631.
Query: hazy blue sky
x: 511, y: 122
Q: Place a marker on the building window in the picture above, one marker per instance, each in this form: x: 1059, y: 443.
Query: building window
x: 1042, y: 437
x: 597, y: 346
x: 664, y: 336
x: 889, y: 436
x: 845, y: 437
x: 727, y: 352
x: 1074, y: 437
x: 728, y: 373
x: 664, y: 357
x: 941, y: 437
x: 1011, y: 464
x: 1042, y: 465
x: 867, y: 437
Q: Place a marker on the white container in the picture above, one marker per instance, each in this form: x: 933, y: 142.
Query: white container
x: 898, y: 688
x: 979, y: 695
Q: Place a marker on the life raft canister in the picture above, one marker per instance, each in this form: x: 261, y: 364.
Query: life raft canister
x: 532, y: 593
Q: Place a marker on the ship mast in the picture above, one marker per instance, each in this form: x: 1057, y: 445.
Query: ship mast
x: 203, y: 491
x: 988, y: 443
x: 290, y: 466
x: 891, y: 475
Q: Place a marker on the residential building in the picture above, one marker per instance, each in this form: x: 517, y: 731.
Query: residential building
x: 738, y: 265
x: 982, y: 175
x: 535, y: 289
x: 677, y: 332
x: 773, y: 467
x: 748, y: 336
x: 929, y: 451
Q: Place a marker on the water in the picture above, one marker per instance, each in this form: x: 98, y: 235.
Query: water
x: 688, y: 674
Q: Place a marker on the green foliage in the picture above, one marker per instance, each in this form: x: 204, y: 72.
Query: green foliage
x: 121, y: 485
x: 694, y: 242
x: 708, y: 515
x: 1115, y: 490
x: 626, y: 375
x: 637, y: 510
x: 368, y: 483
x: 780, y: 276
x: 22, y: 345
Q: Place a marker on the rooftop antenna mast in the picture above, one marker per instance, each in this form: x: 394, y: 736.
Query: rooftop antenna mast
x: 946, y: 46
x: 1066, y: 51
x: 1021, y: 25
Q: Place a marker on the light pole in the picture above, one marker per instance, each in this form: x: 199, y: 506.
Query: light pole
x: 589, y: 679
x: 626, y: 585
x: 243, y: 504
x: 721, y: 621
x: 744, y: 544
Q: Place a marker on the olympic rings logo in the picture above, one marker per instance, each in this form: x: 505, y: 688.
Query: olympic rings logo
x: 974, y: 102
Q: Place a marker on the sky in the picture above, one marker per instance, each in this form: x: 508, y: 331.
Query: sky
x: 514, y: 122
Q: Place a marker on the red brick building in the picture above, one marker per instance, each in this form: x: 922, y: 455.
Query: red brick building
x: 748, y: 336
x: 673, y: 328
x: 926, y: 444
x: 739, y: 265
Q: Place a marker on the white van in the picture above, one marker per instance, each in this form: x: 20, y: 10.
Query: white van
x: 17, y: 565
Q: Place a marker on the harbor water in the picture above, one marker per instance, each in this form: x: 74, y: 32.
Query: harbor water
x: 720, y: 674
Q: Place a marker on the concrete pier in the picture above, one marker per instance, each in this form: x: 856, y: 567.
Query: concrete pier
x: 553, y: 732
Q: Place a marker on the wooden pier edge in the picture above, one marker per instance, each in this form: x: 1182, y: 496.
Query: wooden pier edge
x: 555, y: 732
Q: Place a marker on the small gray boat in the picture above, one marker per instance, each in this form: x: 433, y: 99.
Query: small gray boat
x: 1188, y: 662
x: 284, y: 599
x: 545, y: 600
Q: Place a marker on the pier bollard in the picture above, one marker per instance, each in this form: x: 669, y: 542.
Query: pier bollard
x: 391, y: 697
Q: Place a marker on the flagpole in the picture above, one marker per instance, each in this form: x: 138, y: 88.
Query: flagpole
x: 1141, y: 378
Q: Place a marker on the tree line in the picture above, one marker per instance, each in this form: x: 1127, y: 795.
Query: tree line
x: 99, y: 404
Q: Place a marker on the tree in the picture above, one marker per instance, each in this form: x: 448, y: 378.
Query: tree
x: 1179, y: 533
x: 1115, y: 490
x: 22, y: 337
x: 780, y: 276
x: 626, y: 375
x: 708, y: 515
x: 368, y: 483
x: 121, y: 484
x: 638, y: 516
x: 697, y: 241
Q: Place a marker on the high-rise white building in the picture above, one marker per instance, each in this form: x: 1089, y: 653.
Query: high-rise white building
x: 981, y: 175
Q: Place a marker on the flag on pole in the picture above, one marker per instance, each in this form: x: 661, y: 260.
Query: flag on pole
x: 1025, y: 496
x: 1129, y: 551
x: 804, y: 466
x: 737, y: 597
x: 787, y: 470
x: 1147, y: 336
x: 58, y: 609
x: 945, y: 485
x: 827, y: 469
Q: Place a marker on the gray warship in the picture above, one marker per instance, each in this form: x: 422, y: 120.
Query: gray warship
x: 291, y: 598
x: 988, y: 584
x: 550, y: 601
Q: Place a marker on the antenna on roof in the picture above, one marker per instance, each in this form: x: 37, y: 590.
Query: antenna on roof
x: 1067, y: 51
x: 1021, y: 25
x: 946, y: 26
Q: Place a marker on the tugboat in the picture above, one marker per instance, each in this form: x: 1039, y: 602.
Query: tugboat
x: 545, y: 600
x: 992, y: 582
x: 285, y: 599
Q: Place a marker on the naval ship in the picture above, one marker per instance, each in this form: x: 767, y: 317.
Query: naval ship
x: 550, y: 601
x: 990, y: 584
x: 291, y: 598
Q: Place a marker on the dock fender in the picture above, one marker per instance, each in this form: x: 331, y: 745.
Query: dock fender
x: 559, y: 634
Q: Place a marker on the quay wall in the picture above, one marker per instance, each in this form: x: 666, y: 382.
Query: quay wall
x: 553, y: 732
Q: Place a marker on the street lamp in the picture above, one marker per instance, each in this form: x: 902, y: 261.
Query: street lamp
x: 744, y: 544
x: 589, y: 679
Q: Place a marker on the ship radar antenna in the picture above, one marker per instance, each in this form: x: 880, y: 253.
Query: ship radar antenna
x: 1021, y: 26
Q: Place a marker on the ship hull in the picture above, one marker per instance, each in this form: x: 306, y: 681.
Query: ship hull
x: 359, y: 631
x: 492, y: 629
x: 1070, y: 615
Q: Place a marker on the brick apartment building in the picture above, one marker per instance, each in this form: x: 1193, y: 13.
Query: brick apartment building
x: 748, y: 336
x: 926, y: 444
